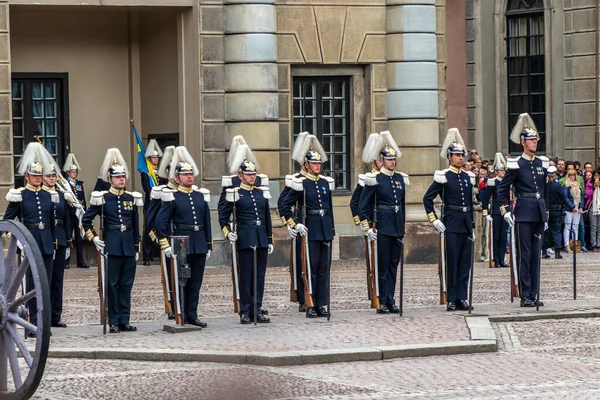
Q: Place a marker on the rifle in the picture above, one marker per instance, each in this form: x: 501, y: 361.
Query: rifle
x: 293, y: 279
x: 103, y: 278
x: 374, y: 264
x: 328, y: 244
x: 255, y: 285
x: 367, y: 264
x: 401, y: 274
x: 490, y: 243
x: 165, y: 283
x: 514, y: 273
x: 305, y: 261
x: 234, y: 264
x: 471, y: 271
x: 180, y: 273
x: 539, y: 270
x: 442, y: 259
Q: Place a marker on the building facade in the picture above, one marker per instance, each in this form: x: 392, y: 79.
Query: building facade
x: 198, y: 72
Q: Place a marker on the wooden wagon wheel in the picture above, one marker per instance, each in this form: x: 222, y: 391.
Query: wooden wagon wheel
x: 17, y: 361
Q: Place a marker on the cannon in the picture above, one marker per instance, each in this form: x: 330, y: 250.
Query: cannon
x: 22, y: 359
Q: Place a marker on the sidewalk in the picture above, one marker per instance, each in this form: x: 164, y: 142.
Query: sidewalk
x: 355, y: 332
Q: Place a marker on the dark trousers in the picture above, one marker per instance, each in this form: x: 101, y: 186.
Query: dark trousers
x: 197, y: 263
x: 320, y: 264
x: 500, y: 230
x: 246, y: 268
x: 121, y: 274
x: 459, y: 251
x: 77, y: 240
x: 299, y: 280
x: 389, y: 250
x: 29, y: 285
x: 146, y: 241
x: 56, y: 285
x: 554, y: 232
x: 529, y: 257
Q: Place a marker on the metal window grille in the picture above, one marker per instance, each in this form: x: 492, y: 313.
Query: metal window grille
x: 526, y: 70
x: 321, y: 106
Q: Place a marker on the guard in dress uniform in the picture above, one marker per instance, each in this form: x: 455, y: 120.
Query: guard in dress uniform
x: 499, y: 225
x: 296, y: 208
x: 63, y: 231
x: 34, y: 207
x: 384, y: 193
x: 557, y: 198
x: 316, y: 191
x: 233, y: 181
x: 375, y: 166
x: 72, y: 168
x: 155, y: 203
x: 527, y: 174
x: 118, y: 211
x: 254, y: 232
x: 455, y: 188
x: 154, y: 154
x: 186, y: 210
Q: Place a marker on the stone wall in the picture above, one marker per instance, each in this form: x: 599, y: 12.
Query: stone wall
x: 579, y: 83
x: 6, y: 156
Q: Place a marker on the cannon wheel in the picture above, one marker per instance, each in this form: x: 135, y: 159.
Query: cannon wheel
x: 26, y: 375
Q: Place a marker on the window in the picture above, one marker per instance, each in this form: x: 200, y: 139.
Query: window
x: 322, y: 107
x: 525, y: 66
x: 39, y: 105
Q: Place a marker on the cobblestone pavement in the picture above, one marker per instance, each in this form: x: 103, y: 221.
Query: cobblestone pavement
x: 353, y: 323
x: 548, y: 359
x: 545, y: 359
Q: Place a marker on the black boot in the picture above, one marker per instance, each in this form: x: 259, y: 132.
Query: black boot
x: 557, y: 255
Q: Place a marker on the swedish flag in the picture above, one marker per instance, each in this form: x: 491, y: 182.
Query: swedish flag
x: 143, y: 164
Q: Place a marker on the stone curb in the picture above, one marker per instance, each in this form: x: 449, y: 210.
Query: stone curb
x: 545, y: 315
x: 280, y: 358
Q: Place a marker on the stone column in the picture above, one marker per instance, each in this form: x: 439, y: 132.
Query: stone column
x: 6, y: 147
x: 251, y: 99
x: 412, y: 96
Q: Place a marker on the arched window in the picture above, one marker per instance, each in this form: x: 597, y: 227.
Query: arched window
x: 525, y: 65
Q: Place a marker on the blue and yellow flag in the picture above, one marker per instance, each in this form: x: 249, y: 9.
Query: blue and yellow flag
x: 143, y: 164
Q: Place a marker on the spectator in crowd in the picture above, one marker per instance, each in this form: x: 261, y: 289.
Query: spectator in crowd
x: 594, y: 213
x: 468, y: 165
x: 552, y: 162
x: 587, y: 167
x: 475, y: 170
x: 472, y: 153
x: 560, y: 168
x: 577, y: 166
x: 485, y: 164
x: 573, y: 208
x: 556, y: 198
x: 477, y: 161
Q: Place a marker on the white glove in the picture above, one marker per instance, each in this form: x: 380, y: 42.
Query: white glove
x: 301, y: 229
x: 232, y: 237
x: 271, y: 248
x: 208, y: 254
x: 98, y: 243
x: 545, y: 226
x: 68, y: 253
x: 371, y: 234
x: 167, y: 252
x: 78, y: 205
x: 53, y: 255
x: 439, y: 225
x: 489, y: 218
x: 292, y: 232
x: 20, y: 245
x: 137, y: 256
x: 508, y: 218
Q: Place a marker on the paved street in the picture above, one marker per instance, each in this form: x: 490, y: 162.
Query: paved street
x: 536, y: 359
